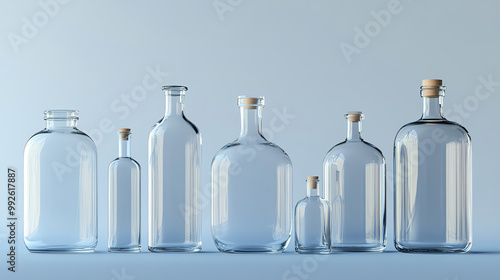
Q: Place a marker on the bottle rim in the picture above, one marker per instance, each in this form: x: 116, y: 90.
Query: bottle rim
x: 175, y: 89
x: 59, y: 114
x: 250, y: 102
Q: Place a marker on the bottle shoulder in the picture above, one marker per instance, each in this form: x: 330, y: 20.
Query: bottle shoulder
x: 313, y: 202
x: 438, y: 129
x: 124, y: 161
x: 252, y: 149
x: 177, y: 123
x: 70, y: 137
x: 355, y: 149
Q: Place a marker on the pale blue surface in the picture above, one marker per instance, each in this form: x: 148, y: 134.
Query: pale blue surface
x: 94, y: 55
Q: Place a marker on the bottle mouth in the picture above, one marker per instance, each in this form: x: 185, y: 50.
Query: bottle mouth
x: 250, y: 102
x: 432, y: 88
x: 175, y: 90
x: 60, y: 114
x: 312, y: 182
x: 354, y: 116
x: 124, y: 133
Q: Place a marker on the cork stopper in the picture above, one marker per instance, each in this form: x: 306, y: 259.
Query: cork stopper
x: 431, y: 88
x: 432, y: 82
x: 354, y: 116
x: 312, y: 182
x: 250, y: 102
x: 124, y: 133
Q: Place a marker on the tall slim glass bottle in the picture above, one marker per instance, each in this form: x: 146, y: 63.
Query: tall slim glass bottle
x: 251, y: 189
x: 124, y: 199
x: 432, y: 180
x: 174, y: 179
x: 60, y: 187
x: 354, y: 173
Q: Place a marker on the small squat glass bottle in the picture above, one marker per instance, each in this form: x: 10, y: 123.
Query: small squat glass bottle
x: 174, y: 159
x: 432, y: 180
x: 354, y: 173
x: 251, y: 189
x: 60, y: 187
x: 124, y: 199
x: 312, y: 221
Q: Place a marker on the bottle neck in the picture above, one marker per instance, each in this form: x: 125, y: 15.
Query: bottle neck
x: 174, y: 105
x: 312, y: 188
x: 353, y: 130
x: 432, y: 108
x: 251, y: 123
x: 123, y: 146
x: 61, y: 124
x: 312, y: 192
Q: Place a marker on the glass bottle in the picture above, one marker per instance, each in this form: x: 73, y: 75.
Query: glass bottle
x: 174, y: 179
x: 312, y: 221
x: 60, y: 187
x: 354, y: 173
x: 124, y: 194
x: 251, y: 189
x: 432, y: 180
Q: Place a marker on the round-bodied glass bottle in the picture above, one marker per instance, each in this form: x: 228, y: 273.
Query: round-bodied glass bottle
x: 60, y: 187
x: 251, y: 189
x: 174, y: 179
x: 432, y: 180
x: 124, y: 199
x: 312, y: 221
x: 354, y: 173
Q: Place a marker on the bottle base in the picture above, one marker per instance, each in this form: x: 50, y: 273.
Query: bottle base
x: 61, y: 250
x: 270, y: 249
x: 124, y: 250
x: 433, y: 248
x: 312, y: 250
x: 359, y: 248
x: 174, y: 249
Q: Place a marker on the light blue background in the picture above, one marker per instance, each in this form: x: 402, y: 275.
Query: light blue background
x: 93, y: 55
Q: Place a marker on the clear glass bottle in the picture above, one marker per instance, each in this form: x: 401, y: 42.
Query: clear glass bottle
x: 312, y: 221
x: 251, y: 189
x: 124, y: 199
x: 60, y: 187
x: 354, y: 173
x: 174, y: 179
x: 432, y: 180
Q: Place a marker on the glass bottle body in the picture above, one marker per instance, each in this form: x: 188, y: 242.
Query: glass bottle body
x: 174, y: 180
x: 432, y: 183
x: 124, y: 205
x: 354, y: 172
x: 251, y: 189
x: 60, y: 187
x: 312, y: 222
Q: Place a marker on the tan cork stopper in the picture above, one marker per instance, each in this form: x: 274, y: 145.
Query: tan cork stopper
x: 354, y: 116
x: 312, y: 182
x: 124, y: 133
x: 252, y: 102
x: 431, y: 87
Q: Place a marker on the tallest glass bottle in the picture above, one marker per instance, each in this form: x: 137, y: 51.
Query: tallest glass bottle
x: 174, y: 179
x: 432, y: 180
